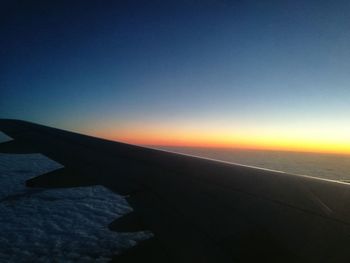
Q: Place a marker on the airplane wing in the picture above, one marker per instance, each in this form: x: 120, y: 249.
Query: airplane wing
x: 199, y: 210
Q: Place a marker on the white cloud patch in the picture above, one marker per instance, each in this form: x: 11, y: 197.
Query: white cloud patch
x: 4, y: 137
x: 57, y: 225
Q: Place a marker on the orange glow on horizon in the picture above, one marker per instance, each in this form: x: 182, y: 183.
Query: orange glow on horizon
x: 242, y: 140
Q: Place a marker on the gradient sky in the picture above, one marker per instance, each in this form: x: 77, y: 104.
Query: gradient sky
x: 256, y: 74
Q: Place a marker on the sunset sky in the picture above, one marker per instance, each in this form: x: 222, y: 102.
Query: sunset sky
x: 246, y: 74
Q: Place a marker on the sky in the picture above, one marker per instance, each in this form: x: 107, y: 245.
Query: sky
x: 241, y: 74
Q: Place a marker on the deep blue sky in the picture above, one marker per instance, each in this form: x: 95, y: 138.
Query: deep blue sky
x: 221, y: 66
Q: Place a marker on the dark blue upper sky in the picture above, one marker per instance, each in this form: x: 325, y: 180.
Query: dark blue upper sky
x: 236, y: 65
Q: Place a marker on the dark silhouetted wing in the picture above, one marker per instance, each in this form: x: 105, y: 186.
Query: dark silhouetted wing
x: 199, y: 210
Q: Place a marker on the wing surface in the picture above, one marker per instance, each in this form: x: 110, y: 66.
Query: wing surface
x: 200, y: 210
